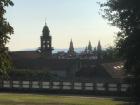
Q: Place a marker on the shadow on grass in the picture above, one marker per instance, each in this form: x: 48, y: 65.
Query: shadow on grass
x: 125, y: 100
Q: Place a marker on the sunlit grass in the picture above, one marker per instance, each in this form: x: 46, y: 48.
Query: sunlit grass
x: 36, y: 99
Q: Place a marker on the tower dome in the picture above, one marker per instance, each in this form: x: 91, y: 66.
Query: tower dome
x: 45, y: 30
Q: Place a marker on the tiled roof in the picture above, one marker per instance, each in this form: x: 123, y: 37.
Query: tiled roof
x: 32, y: 60
x: 24, y: 54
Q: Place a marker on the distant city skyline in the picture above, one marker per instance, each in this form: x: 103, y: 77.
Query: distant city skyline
x: 78, y: 20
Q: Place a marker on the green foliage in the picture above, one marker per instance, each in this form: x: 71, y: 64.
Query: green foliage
x: 125, y: 14
x: 111, y: 54
x: 5, y: 31
x: 5, y: 64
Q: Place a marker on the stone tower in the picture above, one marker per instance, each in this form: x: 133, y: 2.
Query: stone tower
x: 46, y: 40
x: 71, y: 51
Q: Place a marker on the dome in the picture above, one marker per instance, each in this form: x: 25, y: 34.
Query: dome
x: 46, y: 30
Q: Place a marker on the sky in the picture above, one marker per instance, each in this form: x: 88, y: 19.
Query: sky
x: 78, y: 20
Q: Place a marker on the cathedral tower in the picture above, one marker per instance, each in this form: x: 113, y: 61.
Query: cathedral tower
x: 89, y: 48
x: 46, y: 40
x: 71, y: 51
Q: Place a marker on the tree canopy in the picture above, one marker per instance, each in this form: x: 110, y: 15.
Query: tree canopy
x: 125, y: 14
x: 5, y: 31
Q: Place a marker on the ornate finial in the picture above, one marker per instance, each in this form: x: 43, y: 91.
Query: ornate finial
x: 71, y: 40
x: 99, y: 47
x: 99, y: 44
x: 45, y: 22
x: 89, y: 41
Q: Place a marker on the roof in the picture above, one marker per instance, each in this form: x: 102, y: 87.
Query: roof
x: 115, y: 69
x: 24, y: 54
x: 33, y: 60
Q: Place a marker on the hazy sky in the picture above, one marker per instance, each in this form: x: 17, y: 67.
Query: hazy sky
x: 66, y: 19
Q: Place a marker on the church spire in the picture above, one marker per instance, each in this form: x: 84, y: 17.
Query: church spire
x: 99, y: 51
x: 71, y: 48
x: 99, y: 48
x: 71, y: 51
x: 89, y: 48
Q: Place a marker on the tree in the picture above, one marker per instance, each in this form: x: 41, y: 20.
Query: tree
x: 5, y: 31
x: 125, y: 14
x: 111, y: 54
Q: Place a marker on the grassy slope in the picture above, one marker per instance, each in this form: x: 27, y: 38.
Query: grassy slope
x: 35, y: 99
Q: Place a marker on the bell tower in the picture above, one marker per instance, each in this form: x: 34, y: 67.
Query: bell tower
x: 46, y: 42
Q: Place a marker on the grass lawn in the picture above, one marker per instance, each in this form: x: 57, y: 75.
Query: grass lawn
x: 37, y: 99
